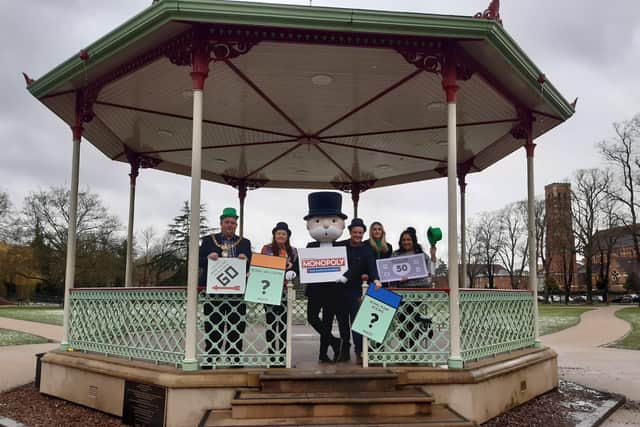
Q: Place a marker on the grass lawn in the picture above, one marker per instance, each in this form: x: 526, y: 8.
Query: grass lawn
x: 9, y: 337
x: 50, y: 315
x: 632, y: 340
x: 554, y: 318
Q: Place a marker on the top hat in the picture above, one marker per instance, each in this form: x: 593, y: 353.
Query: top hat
x: 228, y: 212
x: 357, y: 222
x: 434, y: 234
x: 325, y: 203
x: 281, y: 226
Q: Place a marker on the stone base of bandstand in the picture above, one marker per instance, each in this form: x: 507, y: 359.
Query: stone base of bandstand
x: 479, y: 392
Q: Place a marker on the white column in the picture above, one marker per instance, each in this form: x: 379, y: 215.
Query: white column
x: 190, y: 362
x: 531, y: 214
x: 70, y: 271
x: 128, y: 277
x: 291, y: 299
x: 365, y: 340
x: 455, y: 360
x: 463, y: 234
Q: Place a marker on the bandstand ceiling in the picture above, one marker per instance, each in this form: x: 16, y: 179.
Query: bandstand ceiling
x: 303, y: 112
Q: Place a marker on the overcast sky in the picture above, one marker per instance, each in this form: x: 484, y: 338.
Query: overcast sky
x: 585, y: 49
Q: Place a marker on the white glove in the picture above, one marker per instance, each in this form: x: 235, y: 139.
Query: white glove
x: 290, y: 275
x: 342, y: 280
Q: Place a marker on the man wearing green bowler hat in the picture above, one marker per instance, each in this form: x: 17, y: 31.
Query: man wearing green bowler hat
x: 224, y: 318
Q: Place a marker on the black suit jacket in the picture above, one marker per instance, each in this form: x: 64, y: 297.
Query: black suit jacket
x: 208, y: 246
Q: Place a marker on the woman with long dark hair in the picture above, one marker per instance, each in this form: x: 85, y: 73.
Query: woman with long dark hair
x: 276, y: 329
x: 409, y: 310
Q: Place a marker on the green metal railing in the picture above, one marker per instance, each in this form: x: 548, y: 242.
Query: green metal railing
x: 495, y: 321
x: 150, y: 323
x: 137, y: 323
x: 419, y: 332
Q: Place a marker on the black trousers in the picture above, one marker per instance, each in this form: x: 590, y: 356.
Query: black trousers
x: 224, y: 326
x: 336, y: 307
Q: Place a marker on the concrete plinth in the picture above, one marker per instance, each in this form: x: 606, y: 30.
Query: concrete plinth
x: 478, y: 392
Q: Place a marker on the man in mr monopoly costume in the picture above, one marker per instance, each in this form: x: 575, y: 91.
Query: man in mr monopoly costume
x: 325, y: 223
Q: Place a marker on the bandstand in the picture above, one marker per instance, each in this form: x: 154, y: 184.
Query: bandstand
x: 263, y: 95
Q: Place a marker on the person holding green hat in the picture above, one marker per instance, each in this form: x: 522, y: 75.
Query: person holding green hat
x: 224, y: 320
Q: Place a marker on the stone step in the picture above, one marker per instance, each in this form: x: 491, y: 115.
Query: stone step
x: 441, y: 416
x: 249, y: 404
x: 326, y: 381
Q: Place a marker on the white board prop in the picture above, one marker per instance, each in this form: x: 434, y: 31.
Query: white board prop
x: 226, y: 276
x: 408, y: 267
x: 319, y: 265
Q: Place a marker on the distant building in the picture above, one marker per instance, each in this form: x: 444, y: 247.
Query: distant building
x: 560, y: 249
x: 624, y: 262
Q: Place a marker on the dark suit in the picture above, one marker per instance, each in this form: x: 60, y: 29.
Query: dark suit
x: 215, y: 312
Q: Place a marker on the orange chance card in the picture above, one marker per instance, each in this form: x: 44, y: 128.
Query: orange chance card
x: 267, y: 261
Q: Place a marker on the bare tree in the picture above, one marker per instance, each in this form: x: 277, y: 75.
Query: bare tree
x: 589, y: 196
x: 473, y: 255
x: 605, y: 241
x: 513, y: 249
x: 5, y: 215
x: 490, y: 239
x: 147, y: 240
x: 623, y: 153
x: 541, y: 240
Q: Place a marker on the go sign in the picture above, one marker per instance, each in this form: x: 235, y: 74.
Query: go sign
x: 226, y: 276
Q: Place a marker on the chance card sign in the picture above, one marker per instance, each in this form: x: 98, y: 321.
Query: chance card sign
x: 226, y: 276
x: 376, y: 313
x: 266, y: 279
x: 319, y: 265
x: 409, y: 267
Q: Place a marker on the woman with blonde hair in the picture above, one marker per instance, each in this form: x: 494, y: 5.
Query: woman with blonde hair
x: 378, y: 242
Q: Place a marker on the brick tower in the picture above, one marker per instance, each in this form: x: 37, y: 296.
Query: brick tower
x: 559, y: 238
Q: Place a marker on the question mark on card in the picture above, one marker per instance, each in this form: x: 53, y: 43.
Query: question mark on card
x: 265, y: 285
x: 374, y: 319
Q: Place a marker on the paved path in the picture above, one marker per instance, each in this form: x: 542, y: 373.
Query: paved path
x: 581, y: 358
x: 18, y: 362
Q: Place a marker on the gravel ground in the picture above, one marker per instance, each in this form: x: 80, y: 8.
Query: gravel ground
x: 566, y: 406
x: 26, y: 405
x: 563, y: 407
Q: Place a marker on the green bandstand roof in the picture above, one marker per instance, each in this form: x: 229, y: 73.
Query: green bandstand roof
x: 313, y: 97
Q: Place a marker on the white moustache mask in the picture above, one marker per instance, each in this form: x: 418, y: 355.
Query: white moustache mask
x: 322, y: 234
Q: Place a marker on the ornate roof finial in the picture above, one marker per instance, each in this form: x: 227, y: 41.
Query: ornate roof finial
x: 492, y: 12
x: 28, y: 80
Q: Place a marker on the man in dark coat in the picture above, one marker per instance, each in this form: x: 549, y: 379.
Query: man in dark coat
x: 225, y: 244
x: 361, y: 261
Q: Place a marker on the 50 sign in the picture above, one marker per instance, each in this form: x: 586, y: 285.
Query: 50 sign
x: 226, y: 276
x: 401, y: 268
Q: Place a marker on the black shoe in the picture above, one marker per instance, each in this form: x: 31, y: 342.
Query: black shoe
x: 344, y: 357
x: 336, y: 346
x: 323, y: 358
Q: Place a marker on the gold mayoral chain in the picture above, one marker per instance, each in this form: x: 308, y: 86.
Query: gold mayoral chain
x: 226, y: 247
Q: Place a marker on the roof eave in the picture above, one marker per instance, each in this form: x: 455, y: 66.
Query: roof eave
x: 318, y: 18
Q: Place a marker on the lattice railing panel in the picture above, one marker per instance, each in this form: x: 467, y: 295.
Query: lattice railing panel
x: 237, y: 333
x: 493, y: 322
x: 419, y: 332
x: 147, y: 324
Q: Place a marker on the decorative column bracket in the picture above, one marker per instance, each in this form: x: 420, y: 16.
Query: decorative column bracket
x: 217, y: 48
x: 355, y: 188
x: 242, y: 183
x: 138, y: 161
x: 433, y: 59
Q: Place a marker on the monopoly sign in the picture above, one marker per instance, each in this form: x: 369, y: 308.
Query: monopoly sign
x: 318, y: 265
